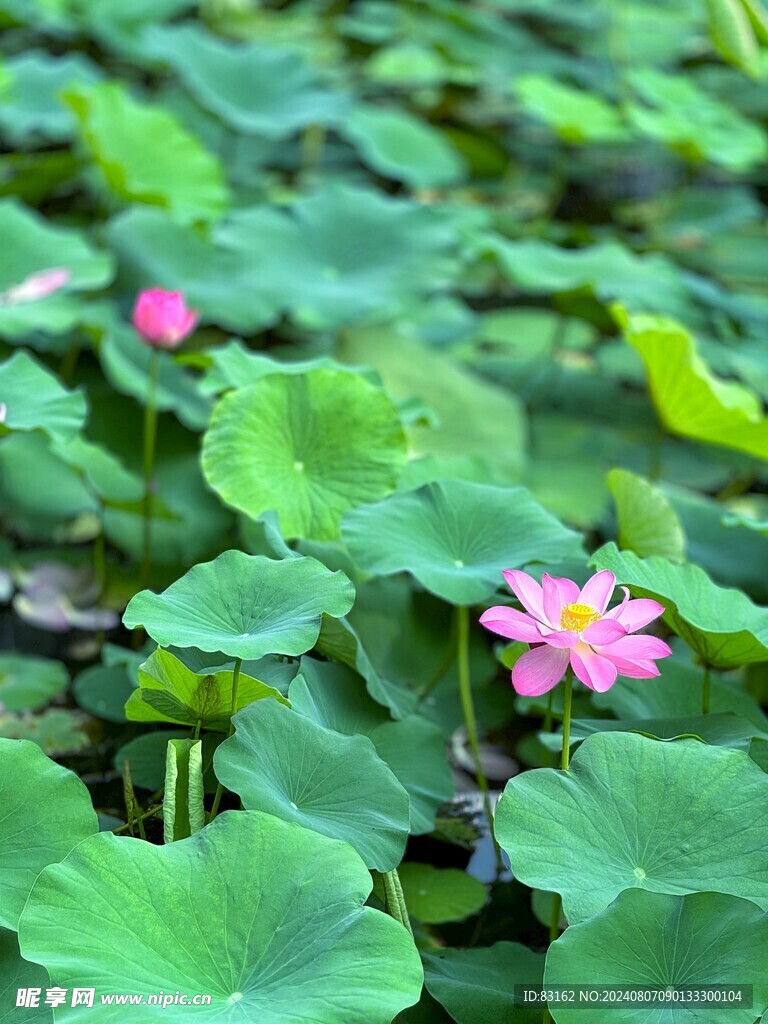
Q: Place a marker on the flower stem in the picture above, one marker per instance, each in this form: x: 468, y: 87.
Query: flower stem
x: 706, y: 690
x: 395, y: 900
x: 566, y: 755
x: 150, y: 437
x: 468, y: 708
x: 233, y: 709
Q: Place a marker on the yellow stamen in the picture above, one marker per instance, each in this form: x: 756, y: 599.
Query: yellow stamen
x: 576, y: 617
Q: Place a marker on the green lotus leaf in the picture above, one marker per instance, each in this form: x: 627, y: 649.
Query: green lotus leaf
x: 146, y: 756
x: 649, y: 938
x: 103, y: 472
x: 103, y: 690
x: 16, y: 973
x: 45, y: 811
x: 343, y: 254
x: 205, y: 915
x: 677, y: 694
x: 476, y: 422
x: 28, y: 683
x: 34, y: 244
x: 722, y: 730
x: 455, y: 537
x: 140, y: 147
x: 244, y: 606
x: 31, y: 109
x: 224, y: 282
x: 477, y: 985
x: 396, y: 638
x: 187, y: 520
x: 436, y: 895
x: 633, y: 812
x: 335, y: 697
x: 261, y: 88
x: 723, y: 626
x: 285, y: 764
x: 608, y: 269
x: 55, y: 731
x: 689, y: 399
x: 679, y: 113
x: 170, y: 692
x: 125, y: 360
x: 398, y: 145
x: 308, y: 446
x: 577, y: 116
x: 184, y: 792
x: 35, y: 400
x: 732, y: 34
x: 235, y: 366
x: 648, y: 524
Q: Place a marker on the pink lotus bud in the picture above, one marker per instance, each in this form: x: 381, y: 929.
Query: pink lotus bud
x: 162, y: 318
x: 38, y: 285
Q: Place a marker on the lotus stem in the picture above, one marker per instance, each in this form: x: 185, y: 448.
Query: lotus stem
x: 233, y: 709
x: 468, y: 708
x: 150, y: 438
x: 706, y: 690
x: 566, y: 755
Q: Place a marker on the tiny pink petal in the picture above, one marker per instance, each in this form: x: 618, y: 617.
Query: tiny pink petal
x: 527, y: 591
x: 558, y: 592
x: 539, y: 670
x: 604, y: 631
x: 597, y: 591
x: 636, y: 614
x: 512, y: 624
x: 38, y: 285
x: 594, y: 671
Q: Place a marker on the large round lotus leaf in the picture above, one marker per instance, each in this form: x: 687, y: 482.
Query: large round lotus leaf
x: 635, y: 812
x: 140, y: 148
x: 722, y: 625
x: 258, y: 88
x: 264, y: 916
x: 344, y: 254
x: 31, y: 245
x: 170, y: 692
x: 287, y: 765
x: 45, y: 810
x: 16, y: 973
x: 308, y: 446
x: 34, y: 399
x: 646, y: 938
x: 28, y: 683
x: 455, y: 537
x: 414, y: 748
x: 244, y: 606
x: 477, y: 985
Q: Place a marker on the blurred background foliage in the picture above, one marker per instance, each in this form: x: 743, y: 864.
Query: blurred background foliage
x: 540, y: 225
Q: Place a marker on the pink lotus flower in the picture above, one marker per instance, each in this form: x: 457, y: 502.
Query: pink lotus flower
x: 162, y: 318
x: 564, y: 624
